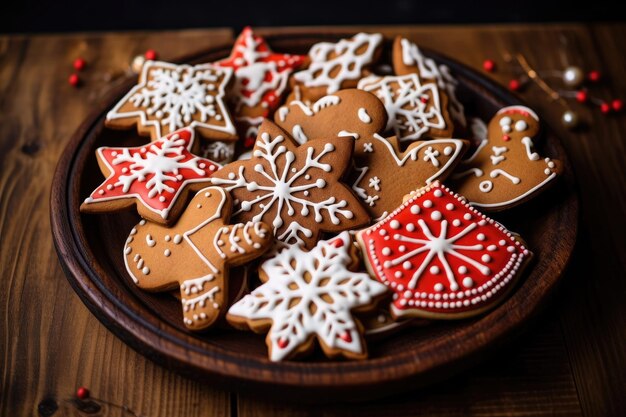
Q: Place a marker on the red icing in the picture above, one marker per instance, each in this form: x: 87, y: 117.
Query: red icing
x: 282, y: 343
x: 284, y: 63
x: 181, y: 161
x: 346, y: 337
x: 473, y: 247
x: 506, y: 138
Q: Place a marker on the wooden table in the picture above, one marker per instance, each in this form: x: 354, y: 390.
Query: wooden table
x: 572, y: 361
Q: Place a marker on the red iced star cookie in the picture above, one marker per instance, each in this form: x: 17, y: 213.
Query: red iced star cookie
x: 260, y: 75
x: 156, y: 177
x: 441, y: 257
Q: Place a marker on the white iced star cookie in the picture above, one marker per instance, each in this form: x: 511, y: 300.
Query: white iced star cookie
x: 169, y: 97
x: 307, y: 296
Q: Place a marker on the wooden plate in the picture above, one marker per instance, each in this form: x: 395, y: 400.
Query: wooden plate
x: 90, y: 250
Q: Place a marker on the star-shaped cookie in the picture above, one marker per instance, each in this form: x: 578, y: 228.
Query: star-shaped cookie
x: 261, y: 76
x: 309, y: 295
x: 194, y: 255
x: 156, y: 177
x: 295, y: 189
x: 505, y: 170
x: 168, y: 97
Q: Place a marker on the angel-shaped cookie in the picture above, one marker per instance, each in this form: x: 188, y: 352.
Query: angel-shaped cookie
x: 194, y: 255
x: 505, y: 170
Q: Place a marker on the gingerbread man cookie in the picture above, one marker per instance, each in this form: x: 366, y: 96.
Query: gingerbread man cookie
x: 155, y: 177
x: 383, y: 174
x: 352, y: 113
x: 408, y: 59
x: 336, y: 66
x: 309, y: 295
x: 168, y: 97
x: 194, y: 255
x: 295, y: 189
x: 505, y: 170
x: 415, y: 110
x: 441, y: 257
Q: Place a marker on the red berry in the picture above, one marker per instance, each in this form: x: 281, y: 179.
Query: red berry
x: 82, y: 393
x: 617, y: 104
x: 594, y: 76
x: 489, y: 65
x: 79, y: 64
x: 74, y: 80
x: 605, y: 108
x: 581, y: 96
x: 150, y: 55
x: 514, y: 85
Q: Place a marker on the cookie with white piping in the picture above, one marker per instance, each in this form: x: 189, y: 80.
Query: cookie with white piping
x: 308, y: 296
x: 346, y: 113
x: 194, y: 255
x: 155, y: 177
x: 297, y: 189
x: 168, y: 97
x: 441, y: 258
x: 415, y: 110
x: 506, y: 170
x: 335, y: 66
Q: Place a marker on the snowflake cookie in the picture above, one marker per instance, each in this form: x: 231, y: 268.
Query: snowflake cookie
x: 261, y: 75
x: 307, y: 296
x: 336, y: 66
x: 168, y: 97
x: 415, y: 110
x: 194, y: 255
x: 505, y: 170
x: 441, y: 257
x: 408, y: 59
x: 295, y: 189
x: 155, y: 177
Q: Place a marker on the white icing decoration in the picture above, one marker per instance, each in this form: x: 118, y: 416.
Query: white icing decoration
x: 149, y: 241
x: 350, y: 64
x: 298, y: 134
x: 309, y: 277
x: 345, y: 133
x: 497, y: 172
x: 528, y: 145
x: 363, y: 116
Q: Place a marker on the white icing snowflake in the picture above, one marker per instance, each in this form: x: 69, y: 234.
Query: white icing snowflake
x: 310, y: 294
x: 278, y: 190
x: 218, y: 151
x: 169, y: 97
x: 350, y: 63
x: 411, y: 113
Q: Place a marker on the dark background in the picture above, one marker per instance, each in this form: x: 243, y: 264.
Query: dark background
x: 23, y: 16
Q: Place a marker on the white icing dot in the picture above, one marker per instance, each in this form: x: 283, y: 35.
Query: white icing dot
x: 110, y: 187
x: 408, y: 294
x: 167, y: 252
x: 398, y: 274
x: 450, y: 206
x: 502, y: 242
x: 101, y: 192
x: 199, y: 206
x: 142, y: 222
x: 382, y: 232
x: 437, y: 193
x: 456, y: 222
x: 520, y: 125
x: 467, y: 216
x: 435, y: 215
x: 386, y: 251
x: 485, y: 258
x: 402, y: 248
x: 410, y: 227
x: 428, y: 204
x: 438, y: 287
x: 511, y: 249
x: 407, y: 265
x: 462, y: 269
x: 415, y: 209
x: 492, y: 248
x: 167, y: 238
x: 447, y: 150
x: 145, y: 270
x: 468, y: 282
x: 480, y: 236
x: 394, y: 224
x: 178, y: 239
x: 162, y: 199
x: 434, y: 269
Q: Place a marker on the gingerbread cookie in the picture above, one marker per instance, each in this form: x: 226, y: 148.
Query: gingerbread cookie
x: 155, y: 177
x: 218, y: 151
x: 408, y: 59
x: 168, y: 97
x: 261, y: 76
x: 505, y: 170
x: 415, y: 110
x: 194, y: 255
x: 441, y: 257
x: 307, y: 296
x: 295, y: 189
x: 383, y: 174
x: 336, y: 66
x: 353, y: 113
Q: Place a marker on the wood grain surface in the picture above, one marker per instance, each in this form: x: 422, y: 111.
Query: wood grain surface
x: 572, y: 362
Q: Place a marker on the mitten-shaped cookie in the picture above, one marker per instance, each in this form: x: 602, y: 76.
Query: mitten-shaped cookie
x: 194, y: 255
x: 506, y: 170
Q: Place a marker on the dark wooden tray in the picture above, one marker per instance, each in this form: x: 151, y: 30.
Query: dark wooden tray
x: 90, y: 250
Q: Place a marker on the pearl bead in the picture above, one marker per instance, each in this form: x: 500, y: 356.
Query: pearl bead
x: 570, y: 119
x: 137, y: 63
x: 573, y: 76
